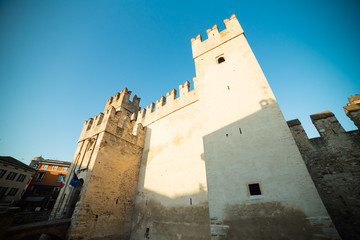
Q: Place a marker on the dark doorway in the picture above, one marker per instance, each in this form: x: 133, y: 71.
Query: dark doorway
x: 75, y: 197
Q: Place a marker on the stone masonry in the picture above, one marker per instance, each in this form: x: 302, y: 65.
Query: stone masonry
x: 333, y: 160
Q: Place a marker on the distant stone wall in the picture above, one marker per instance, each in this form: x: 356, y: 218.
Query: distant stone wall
x: 333, y: 160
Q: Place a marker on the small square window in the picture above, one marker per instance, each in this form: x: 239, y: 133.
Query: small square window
x: 220, y: 60
x: 45, y: 166
x: 55, y: 167
x: 65, y: 169
x: 254, y: 189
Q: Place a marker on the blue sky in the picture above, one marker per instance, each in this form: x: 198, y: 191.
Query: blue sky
x: 61, y: 60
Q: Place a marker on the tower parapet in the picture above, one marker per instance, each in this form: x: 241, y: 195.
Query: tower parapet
x: 215, y: 38
x: 119, y: 119
x: 121, y: 101
x: 115, y: 122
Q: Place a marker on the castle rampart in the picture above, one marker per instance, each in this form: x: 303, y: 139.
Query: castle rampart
x: 333, y: 160
x: 167, y: 105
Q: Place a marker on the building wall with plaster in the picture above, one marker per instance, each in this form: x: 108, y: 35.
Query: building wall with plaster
x: 181, y: 168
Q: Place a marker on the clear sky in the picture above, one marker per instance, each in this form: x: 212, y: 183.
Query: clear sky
x: 61, y: 60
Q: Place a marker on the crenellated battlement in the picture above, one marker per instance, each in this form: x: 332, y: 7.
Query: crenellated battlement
x: 116, y: 123
x: 325, y: 122
x: 166, y: 105
x: 122, y: 100
x: 216, y: 38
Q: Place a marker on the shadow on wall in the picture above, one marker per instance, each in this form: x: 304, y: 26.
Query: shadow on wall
x: 259, y: 149
x: 157, y: 216
x: 252, y: 149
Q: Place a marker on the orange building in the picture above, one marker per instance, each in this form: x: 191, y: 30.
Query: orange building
x: 44, y: 186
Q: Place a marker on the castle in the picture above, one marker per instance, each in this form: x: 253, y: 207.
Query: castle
x: 216, y: 162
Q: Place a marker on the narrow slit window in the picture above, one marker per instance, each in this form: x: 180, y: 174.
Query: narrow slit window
x: 254, y: 189
x: 147, y: 233
x: 221, y: 60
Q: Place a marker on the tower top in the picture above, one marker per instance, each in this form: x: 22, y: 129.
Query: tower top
x: 122, y: 101
x: 216, y: 38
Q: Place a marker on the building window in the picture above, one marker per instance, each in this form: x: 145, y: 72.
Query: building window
x: 55, y: 167
x: 21, y: 178
x: 254, y: 189
x: 13, y: 191
x: 2, y: 172
x: 220, y: 60
x: 11, y: 176
x: 40, y: 176
x: 64, y: 168
x: 45, y: 166
x: 3, y: 191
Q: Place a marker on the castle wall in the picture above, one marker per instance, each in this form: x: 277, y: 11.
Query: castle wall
x: 172, y: 193
x: 333, y: 162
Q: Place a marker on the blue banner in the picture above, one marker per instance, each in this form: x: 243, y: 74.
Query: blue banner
x: 74, y: 181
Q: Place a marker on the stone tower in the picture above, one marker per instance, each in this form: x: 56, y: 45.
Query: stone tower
x: 258, y: 185
x: 106, y: 163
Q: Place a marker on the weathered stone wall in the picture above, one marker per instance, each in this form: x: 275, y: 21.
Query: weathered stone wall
x: 107, y: 206
x: 107, y: 163
x: 333, y: 160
